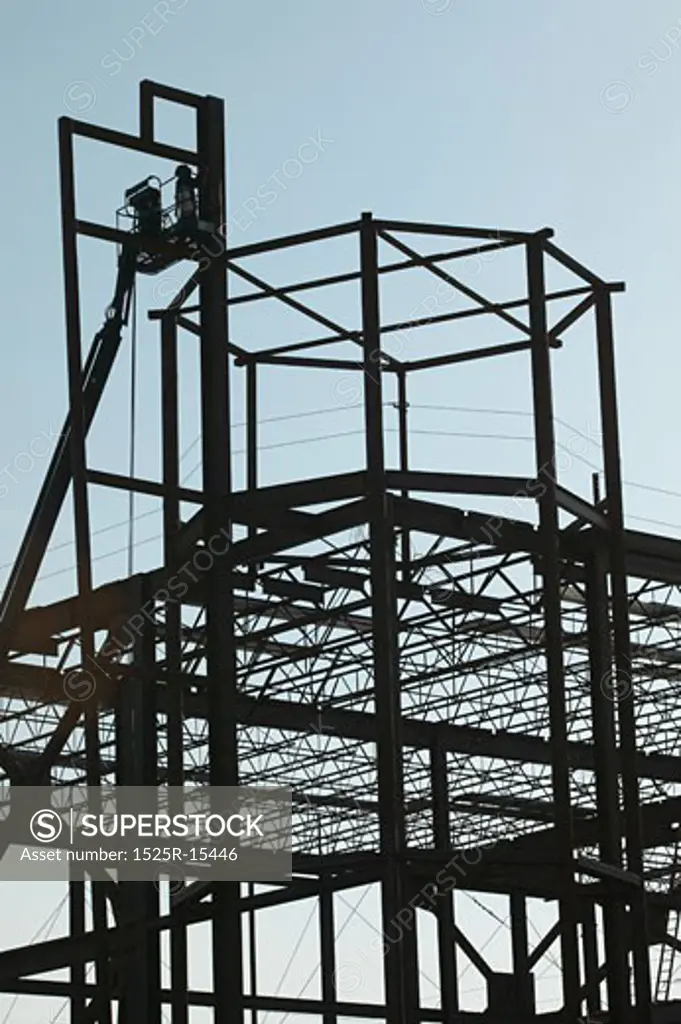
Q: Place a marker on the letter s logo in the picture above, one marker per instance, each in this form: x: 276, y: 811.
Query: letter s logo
x: 46, y: 826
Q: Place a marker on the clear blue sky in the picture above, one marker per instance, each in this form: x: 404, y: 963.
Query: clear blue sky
x: 482, y: 113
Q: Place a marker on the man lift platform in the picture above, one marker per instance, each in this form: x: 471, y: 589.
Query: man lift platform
x: 143, y: 213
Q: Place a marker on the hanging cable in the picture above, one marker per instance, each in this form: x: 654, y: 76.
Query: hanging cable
x: 133, y: 430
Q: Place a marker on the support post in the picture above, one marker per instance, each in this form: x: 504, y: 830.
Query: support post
x: 607, y: 786
x: 327, y: 937
x: 446, y: 930
x: 403, y: 407
x: 521, y: 954
x: 137, y: 753
x: 590, y: 952
x: 624, y: 683
x: 251, y: 431
x: 217, y: 485
x: 400, y: 980
x: 82, y: 523
x: 173, y: 635
x: 550, y: 571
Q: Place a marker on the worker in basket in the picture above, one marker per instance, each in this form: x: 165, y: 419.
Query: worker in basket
x: 185, y: 198
x: 144, y: 203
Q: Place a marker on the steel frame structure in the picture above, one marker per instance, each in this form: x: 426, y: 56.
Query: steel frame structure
x: 541, y: 649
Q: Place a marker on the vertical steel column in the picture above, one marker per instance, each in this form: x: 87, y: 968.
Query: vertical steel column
x: 136, y: 750
x: 252, y: 954
x: 171, y: 526
x: 624, y: 689
x: 607, y: 790
x: 173, y: 630
x: 251, y: 431
x: 403, y: 406
x: 252, y: 425
x: 550, y: 570
x: 81, y: 512
x: 77, y: 423
x: 446, y: 931
x: 398, y: 966
x: 217, y: 484
x: 521, y: 956
x: 327, y: 943
x: 590, y: 952
x: 77, y: 973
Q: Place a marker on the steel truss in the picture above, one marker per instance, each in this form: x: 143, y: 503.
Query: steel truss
x: 438, y: 685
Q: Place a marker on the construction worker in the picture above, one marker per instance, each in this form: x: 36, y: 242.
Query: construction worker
x: 149, y: 215
x: 185, y: 197
x: 145, y: 200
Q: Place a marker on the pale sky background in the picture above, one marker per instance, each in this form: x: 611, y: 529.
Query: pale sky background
x: 487, y: 113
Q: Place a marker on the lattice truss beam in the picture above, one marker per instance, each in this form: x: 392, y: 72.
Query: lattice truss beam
x: 472, y: 667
